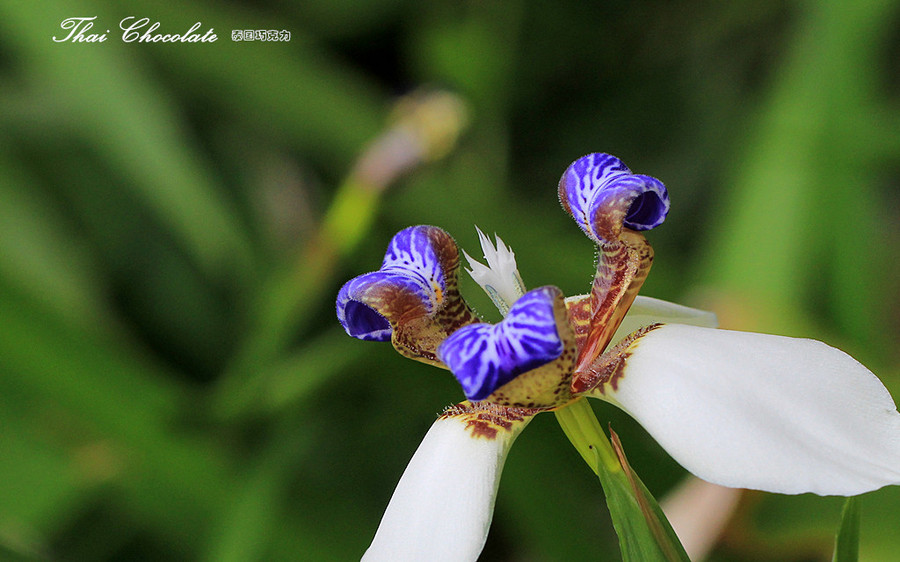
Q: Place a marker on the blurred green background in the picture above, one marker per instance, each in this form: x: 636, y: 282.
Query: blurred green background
x: 173, y: 382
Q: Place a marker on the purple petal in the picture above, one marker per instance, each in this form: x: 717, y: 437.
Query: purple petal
x: 411, y: 283
x: 412, y: 252
x: 602, y: 195
x: 358, y: 319
x: 483, y: 357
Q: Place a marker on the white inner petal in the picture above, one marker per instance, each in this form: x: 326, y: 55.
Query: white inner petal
x: 442, y: 508
x: 500, y: 279
x: 765, y: 412
x: 647, y: 310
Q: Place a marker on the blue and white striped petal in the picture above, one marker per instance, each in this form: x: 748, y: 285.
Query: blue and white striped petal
x: 410, y: 267
x: 602, y: 194
x: 413, y: 300
x: 484, y: 357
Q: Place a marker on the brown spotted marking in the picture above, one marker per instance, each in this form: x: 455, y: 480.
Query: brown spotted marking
x: 415, y: 334
x: 609, y: 368
x: 579, y: 310
x: 486, y: 420
x: 621, y: 270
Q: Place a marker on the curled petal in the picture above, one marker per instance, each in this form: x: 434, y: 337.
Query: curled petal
x: 362, y: 303
x: 757, y: 411
x: 483, y: 357
x: 413, y: 300
x: 442, y: 508
x: 411, y: 268
x: 602, y: 194
x: 622, y: 267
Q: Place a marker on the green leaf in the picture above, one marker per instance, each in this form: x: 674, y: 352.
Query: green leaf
x: 659, y: 527
x: 644, y: 532
x: 846, y: 543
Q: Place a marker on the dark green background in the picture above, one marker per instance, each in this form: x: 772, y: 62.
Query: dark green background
x: 151, y: 197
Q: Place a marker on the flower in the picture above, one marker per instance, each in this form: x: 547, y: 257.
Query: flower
x: 734, y: 408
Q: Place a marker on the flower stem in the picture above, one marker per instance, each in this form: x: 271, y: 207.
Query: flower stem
x: 580, y: 425
x: 644, y: 533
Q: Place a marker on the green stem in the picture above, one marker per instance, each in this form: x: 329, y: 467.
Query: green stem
x: 846, y: 544
x: 644, y: 533
x: 580, y: 425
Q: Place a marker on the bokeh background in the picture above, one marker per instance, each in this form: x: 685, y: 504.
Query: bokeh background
x: 176, y: 220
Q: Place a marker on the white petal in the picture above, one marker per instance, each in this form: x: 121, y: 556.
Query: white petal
x: 758, y: 411
x: 500, y: 279
x: 646, y: 310
x: 442, y: 508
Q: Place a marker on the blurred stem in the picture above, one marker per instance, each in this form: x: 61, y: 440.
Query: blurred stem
x: 349, y: 217
x: 289, y: 295
x: 424, y: 127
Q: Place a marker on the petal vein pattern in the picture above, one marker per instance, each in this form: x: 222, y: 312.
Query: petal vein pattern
x: 413, y: 300
x: 414, y: 256
x: 603, y: 195
x: 584, y: 179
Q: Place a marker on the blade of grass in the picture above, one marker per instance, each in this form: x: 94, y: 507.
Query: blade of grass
x: 781, y: 178
x: 846, y: 542
x: 325, y: 107
x: 41, y: 255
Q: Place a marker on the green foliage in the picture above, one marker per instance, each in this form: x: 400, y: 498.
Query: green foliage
x: 643, y: 530
x: 173, y: 382
x: 846, y: 543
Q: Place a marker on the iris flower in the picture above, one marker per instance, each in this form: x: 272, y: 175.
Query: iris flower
x: 738, y: 409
